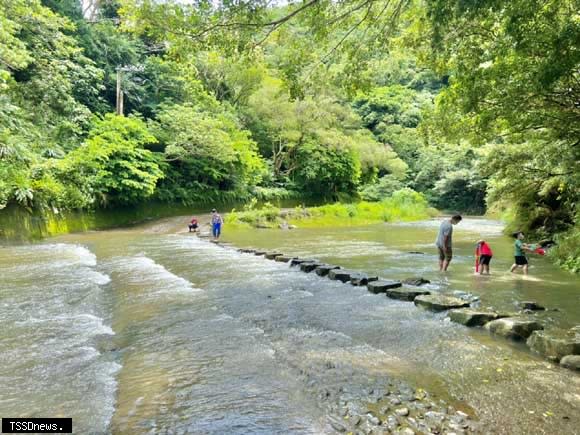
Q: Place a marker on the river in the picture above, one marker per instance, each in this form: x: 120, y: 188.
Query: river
x: 150, y: 329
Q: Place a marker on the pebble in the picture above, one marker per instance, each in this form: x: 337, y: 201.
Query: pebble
x: 402, y: 412
x: 395, y: 401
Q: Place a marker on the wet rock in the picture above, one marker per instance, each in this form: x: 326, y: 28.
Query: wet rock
x: 554, y: 344
x: 359, y: 279
x: 470, y: 317
x: 439, y: 302
x: 417, y: 281
x: 416, y: 252
x: 259, y: 252
x: 309, y: 267
x: 516, y: 328
x: 373, y: 420
x: 403, y: 412
x: 283, y: 258
x: 406, y: 294
x: 382, y: 286
x: 395, y: 401
x: 405, y: 431
x: 340, y: 275
x: 272, y: 255
x: 531, y: 306
x: 323, y: 270
x: 337, y: 425
x: 434, y: 418
x: 571, y: 362
x: 298, y: 261
x: 247, y: 251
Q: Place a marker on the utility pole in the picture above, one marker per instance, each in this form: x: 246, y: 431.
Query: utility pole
x: 119, y: 93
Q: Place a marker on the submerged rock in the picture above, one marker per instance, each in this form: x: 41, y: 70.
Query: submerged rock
x: 439, y: 302
x: 554, y: 345
x: 309, y: 267
x: 470, y: 317
x: 571, y: 362
x: 382, y: 286
x: 340, y: 275
x: 272, y: 255
x: 359, y: 279
x: 516, y: 328
x: 532, y: 306
x: 417, y: 281
x: 324, y: 269
x: 406, y: 294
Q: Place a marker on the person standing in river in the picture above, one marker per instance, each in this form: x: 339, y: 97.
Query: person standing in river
x: 444, y: 241
x: 520, y: 248
x: 216, y: 224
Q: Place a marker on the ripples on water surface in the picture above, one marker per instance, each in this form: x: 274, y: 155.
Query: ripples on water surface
x: 207, y: 340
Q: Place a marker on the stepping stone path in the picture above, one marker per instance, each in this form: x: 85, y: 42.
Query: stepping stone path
x: 516, y: 328
x: 325, y: 269
x: 439, y: 302
x: 406, y: 294
x: 340, y: 275
x: 470, y: 317
x: 359, y: 279
x: 556, y: 344
x: 381, y: 286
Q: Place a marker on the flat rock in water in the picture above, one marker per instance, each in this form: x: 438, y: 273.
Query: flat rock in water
x: 416, y: 252
x: 532, y: 306
x: 272, y: 255
x: 516, y: 328
x: 439, y: 302
x: 340, y: 275
x: 381, y: 286
x: 554, y: 345
x: 324, y: 269
x: 417, y: 281
x: 359, y: 279
x: 406, y: 294
x: 571, y: 362
x: 283, y: 258
x: 246, y: 251
x: 259, y: 252
x: 309, y: 267
x: 470, y: 317
x: 297, y: 261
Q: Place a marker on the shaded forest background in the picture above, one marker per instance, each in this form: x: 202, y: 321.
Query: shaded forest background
x: 473, y: 104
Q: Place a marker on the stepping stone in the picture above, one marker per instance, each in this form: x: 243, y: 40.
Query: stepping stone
x: 532, y: 306
x: 469, y: 317
x: 283, y: 258
x: 340, y: 275
x: 555, y: 344
x: 272, y: 255
x: 323, y: 269
x: 406, y: 294
x: 259, y: 252
x: 297, y: 261
x: 418, y: 281
x: 309, y: 267
x: 439, y: 302
x: 381, y: 286
x: 247, y: 251
x: 416, y: 252
x: 571, y: 362
x: 360, y: 279
x: 516, y: 328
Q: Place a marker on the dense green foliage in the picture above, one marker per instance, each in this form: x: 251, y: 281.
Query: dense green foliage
x: 472, y: 104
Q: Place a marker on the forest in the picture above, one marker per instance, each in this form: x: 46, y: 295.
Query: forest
x: 473, y: 104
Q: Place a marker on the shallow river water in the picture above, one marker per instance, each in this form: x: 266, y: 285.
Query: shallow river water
x: 154, y: 330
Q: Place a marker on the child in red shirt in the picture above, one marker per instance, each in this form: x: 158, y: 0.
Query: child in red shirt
x: 483, y: 257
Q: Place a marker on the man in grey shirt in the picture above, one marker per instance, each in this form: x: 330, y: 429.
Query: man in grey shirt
x: 444, y: 242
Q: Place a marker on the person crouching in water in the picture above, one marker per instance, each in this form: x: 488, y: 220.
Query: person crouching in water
x: 484, y: 254
x: 216, y: 224
x: 519, y: 252
x: 193, y: 225
x: 444, y: 242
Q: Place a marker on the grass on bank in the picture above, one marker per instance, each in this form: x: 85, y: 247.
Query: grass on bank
x: 403, y: 205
